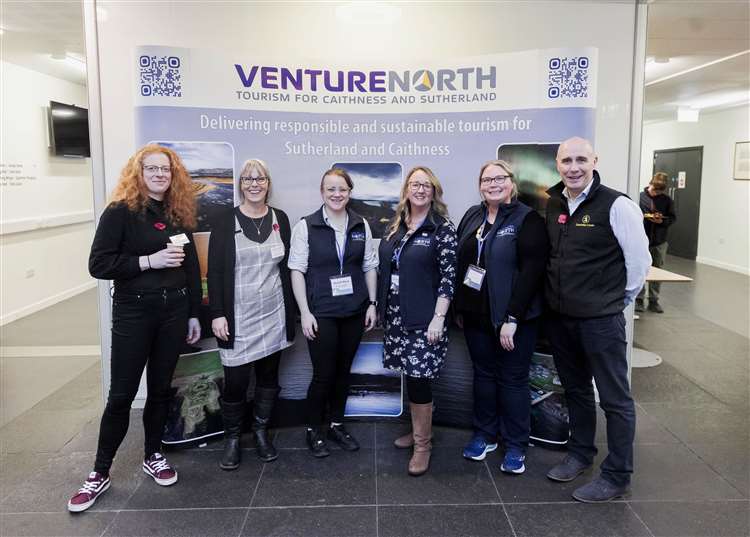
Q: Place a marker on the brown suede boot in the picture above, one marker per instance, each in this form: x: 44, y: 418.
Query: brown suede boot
x: 404, y: 442
x: 421, y: 421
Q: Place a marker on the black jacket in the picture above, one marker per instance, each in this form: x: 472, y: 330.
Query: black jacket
x: 586, y: 275
x: 122, y: 236
x: 221, y: 261
x: 657, y: 233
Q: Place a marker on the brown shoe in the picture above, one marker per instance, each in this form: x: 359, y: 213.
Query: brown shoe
x: 421, y: 420
x: 404, y: 442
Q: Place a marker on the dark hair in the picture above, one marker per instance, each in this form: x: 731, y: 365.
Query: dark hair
x: 340, y: 173
x: 660, y: 180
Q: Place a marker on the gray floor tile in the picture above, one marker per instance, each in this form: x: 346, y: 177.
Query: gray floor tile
x: 178, y: 523
x: 87, y: 437
x: 442, y: 437
x: 49, y: 487
x: 311, y: 522
x: 450, y: 479
x: 730, y: 459
x: 45, y: 431
x: 201, y: 484
x: 576, y: 520
x: 647, y: 429
x: 672, y: 472
x: 17, y: 468
x: 664, y: 383
x: 294, y: 437
x: 55, y: 524
x: 695, y: 519
x: 299, y: 479
x: 77, y: 393
x: 700, y: 423
x: 443, y: 520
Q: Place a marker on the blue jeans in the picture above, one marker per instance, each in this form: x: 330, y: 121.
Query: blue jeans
x: 596, y: 347
x: 502, y: 403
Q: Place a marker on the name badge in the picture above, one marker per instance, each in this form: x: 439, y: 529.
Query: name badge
x: 342, y: 285
x: 394, y: 283
x: 474, y: 277
x: 179, y: 240
x: 277, y: 251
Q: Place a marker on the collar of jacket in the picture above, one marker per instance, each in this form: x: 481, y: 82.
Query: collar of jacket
x: 318, y: 220
x: 557, y: 190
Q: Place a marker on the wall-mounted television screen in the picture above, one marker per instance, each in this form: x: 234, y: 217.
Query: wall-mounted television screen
x: 69, y: 127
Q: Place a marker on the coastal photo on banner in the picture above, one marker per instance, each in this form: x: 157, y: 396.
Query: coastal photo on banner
x: 217, y: 111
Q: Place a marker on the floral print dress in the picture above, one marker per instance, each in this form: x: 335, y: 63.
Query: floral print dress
x: 409, y: 351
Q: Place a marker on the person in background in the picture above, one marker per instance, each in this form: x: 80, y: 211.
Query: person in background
x: 250, y: 299
x: 597, y: 265
x: 415, y: 288
x: 143, y: 242
x: 334, y: 279
x: 502, y: 257
x: 658, y: 215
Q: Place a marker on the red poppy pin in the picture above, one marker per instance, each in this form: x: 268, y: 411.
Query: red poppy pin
x: 562, y: 218
x: 276, y: 227
x: 160, y: 226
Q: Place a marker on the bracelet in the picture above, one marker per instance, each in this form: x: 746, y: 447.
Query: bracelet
x: 148, y: 260
x: 441, y: 315
x: 510, y: 319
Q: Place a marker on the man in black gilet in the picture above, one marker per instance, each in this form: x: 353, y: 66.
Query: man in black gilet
x: 598, y: 262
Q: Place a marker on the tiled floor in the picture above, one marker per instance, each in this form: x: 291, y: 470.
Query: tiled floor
x: 692, y: 476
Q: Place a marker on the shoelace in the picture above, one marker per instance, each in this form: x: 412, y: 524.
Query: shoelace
x: 159, y: 464
x: 90, y: 486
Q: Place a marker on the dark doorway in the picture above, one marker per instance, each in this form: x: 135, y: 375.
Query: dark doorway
x: 683, y: 166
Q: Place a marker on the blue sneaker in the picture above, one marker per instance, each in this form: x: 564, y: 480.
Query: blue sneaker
x: 513, y: 462
x: 478, y: 448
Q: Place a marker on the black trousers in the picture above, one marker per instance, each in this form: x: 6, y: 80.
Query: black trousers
x: 148, y: 331
x: 502, y: 406
x: 332, y: 352
x: 596, y: 347
x: 237, y: 378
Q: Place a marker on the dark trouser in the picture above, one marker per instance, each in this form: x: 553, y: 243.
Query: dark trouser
x: 501, y: 382
x: 237, y: 378
x: 148, y: 331
x: 419, y: 390
x: 596, y: 347
x: 658, y: 254
x: 332, y: 352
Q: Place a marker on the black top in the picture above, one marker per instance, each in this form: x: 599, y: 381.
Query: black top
x: 532, y: 247
x: 586, y: 275
x: 122, y: 236
x: 255, y: 229
x: 661, y: 203
x: 221, y: 262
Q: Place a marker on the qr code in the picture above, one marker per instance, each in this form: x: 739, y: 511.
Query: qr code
x: 160, y: 75
x: 568, y: 77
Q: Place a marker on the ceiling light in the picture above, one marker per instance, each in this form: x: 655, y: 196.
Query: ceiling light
x: 367, y: 12
x: 661, y: 59
x: 707, y: 64
x: 685, y: 114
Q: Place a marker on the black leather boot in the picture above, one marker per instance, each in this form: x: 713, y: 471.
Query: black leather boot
x: 262, y: 408
x: 232, y: 414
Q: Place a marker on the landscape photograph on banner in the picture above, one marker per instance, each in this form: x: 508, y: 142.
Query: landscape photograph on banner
x: 534, y: 168
x: 373, y: 390
x: 376, y: 191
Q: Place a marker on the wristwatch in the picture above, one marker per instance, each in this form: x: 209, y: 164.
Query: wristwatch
x: 510, y: 319
x: 374, y: 303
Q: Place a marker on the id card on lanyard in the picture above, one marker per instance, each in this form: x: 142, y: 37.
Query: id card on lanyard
x: 397, y: 259
x: 342, y: 284
x: 474, y: 273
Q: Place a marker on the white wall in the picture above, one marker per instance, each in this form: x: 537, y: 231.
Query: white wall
x: 723, y: 233
x: 46, y: 209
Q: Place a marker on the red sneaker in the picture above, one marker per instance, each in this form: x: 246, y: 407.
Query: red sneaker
x: 94, y: 485
x: 157, y: 467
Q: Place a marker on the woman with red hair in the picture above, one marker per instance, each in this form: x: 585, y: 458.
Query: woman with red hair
x: 143, y: 243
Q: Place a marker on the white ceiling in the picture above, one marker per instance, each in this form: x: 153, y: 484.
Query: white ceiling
x: 684, y: 34
x: 688, y: 35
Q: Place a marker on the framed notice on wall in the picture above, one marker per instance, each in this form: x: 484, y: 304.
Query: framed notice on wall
x: 742, y: 161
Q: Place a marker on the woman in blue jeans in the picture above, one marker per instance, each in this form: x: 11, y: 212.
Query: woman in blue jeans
x: 502, y: 254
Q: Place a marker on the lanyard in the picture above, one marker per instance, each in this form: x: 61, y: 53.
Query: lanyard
x: 481, y: 239
x: 340, y: 251
x: 397, y: 251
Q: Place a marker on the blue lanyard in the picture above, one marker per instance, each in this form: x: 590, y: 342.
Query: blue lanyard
x: 340, y: 251
x: 481, y: 239
x: 397, y: 251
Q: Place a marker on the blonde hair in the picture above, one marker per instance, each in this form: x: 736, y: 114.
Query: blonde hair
x: 179, y: 199
x: 506, y: 168
x: 659, y: 181
x: 248, y: 166
x: 403, y: 209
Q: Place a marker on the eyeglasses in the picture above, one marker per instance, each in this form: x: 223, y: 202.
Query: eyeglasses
x: 249, y: 180
x: 154, y: 169
x: 415, y: 186
x: 498, y: 179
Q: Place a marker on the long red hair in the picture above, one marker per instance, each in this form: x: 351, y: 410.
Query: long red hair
x: 179, y: 199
